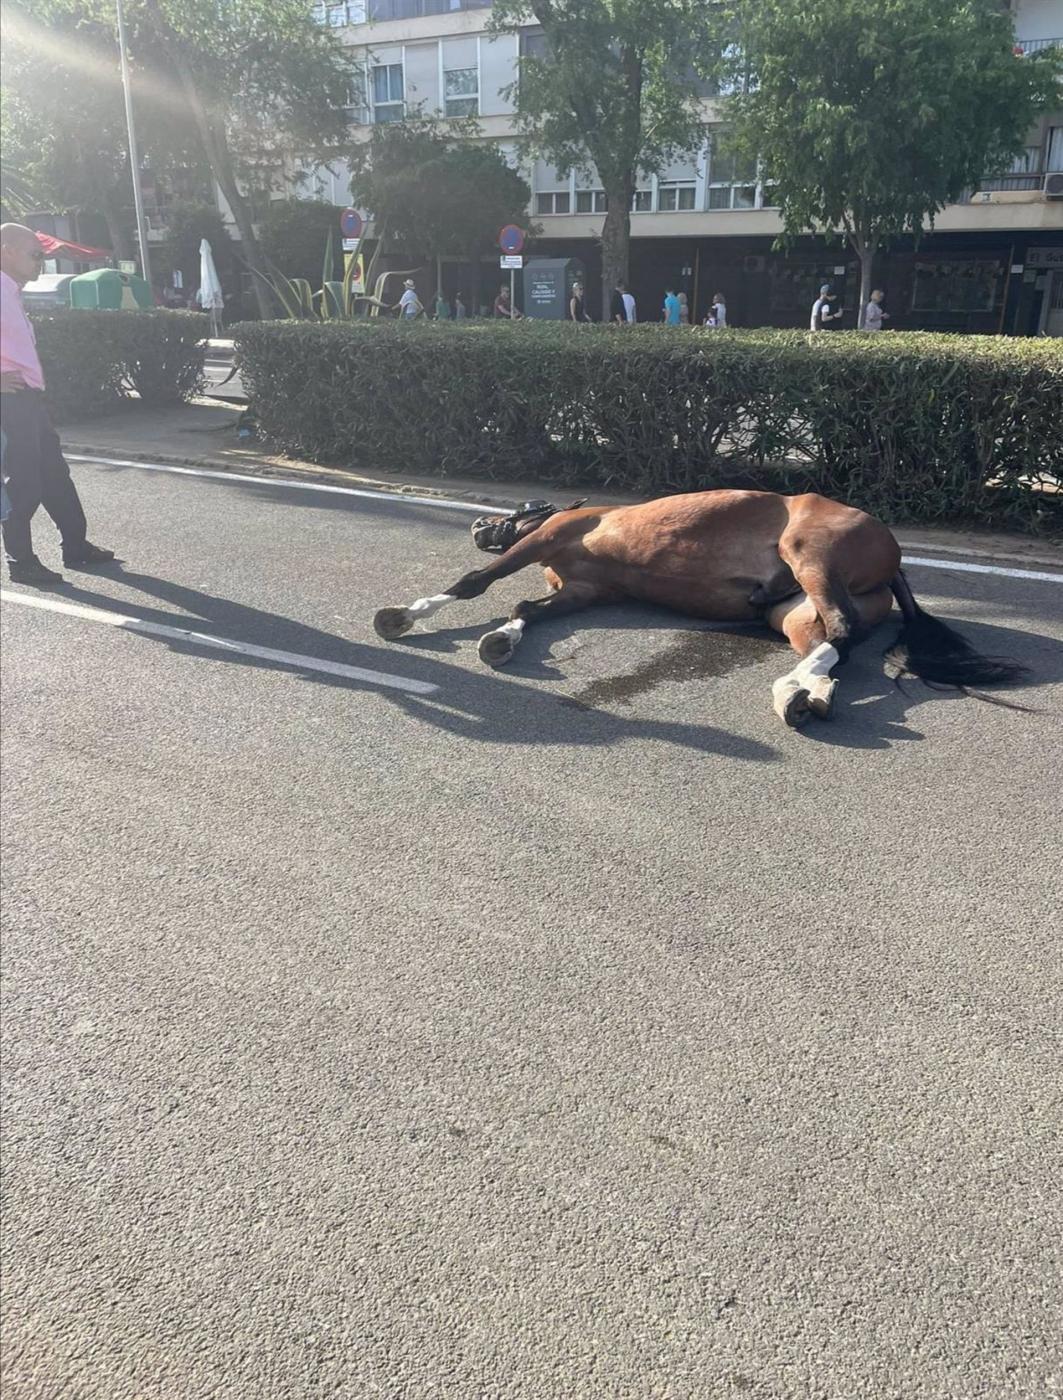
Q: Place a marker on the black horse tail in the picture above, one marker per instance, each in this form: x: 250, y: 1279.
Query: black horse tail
x: 933, y: 652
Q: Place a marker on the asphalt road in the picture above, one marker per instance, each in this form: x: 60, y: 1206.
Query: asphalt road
x: 572, y: 1031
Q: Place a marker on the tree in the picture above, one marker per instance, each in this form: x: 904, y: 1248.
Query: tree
x: 64, y: 118
x: 261, y: 80
x: 869, y: 117
x: 615, y: 86
x: 436, y: 188
x: 188, y: 223
x: 294, y: 233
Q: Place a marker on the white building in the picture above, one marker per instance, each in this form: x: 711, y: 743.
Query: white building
x: 992, y: 262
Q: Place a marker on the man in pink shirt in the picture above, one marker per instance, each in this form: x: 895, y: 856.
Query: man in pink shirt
x: 35, y: 470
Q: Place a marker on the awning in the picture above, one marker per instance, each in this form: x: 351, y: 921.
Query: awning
x: 60, y: 248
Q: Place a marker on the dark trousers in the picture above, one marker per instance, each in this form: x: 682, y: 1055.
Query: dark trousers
x: 36, y: 475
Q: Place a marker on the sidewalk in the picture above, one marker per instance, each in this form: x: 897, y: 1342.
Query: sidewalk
x: 203, y: 434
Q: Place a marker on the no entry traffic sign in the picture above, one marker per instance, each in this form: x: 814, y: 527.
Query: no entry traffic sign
x: 511, y: 239
x: 351, y: 223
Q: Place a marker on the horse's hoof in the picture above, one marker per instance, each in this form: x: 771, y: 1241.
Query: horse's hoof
x: 392, y: 623
x: 821, y: 699
x: 796, y: 711
x: 495, y: 648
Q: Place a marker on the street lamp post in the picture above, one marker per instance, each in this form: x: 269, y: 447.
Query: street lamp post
x: 134, y: 159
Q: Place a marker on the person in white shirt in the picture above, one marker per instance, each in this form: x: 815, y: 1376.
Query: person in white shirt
x: 874, y: 314
x: 719, y: 311
x: 629, y: 307
x: 410, y: 303
x: 823, y: 314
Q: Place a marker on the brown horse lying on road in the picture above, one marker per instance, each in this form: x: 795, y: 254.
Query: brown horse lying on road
x: 821, y: 573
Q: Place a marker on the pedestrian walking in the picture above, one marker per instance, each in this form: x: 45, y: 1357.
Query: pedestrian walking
x: 460, y: 312
x: 874, y: 314
x: 718, y: 311
x: 671, y: 308
x: 627, y: 305
x: 824, y: 315
x: 35, y: 470
x: 410, y: 306
x: 684, y: 310
x: 577, y: 306
x: 504, y: 309
x: 442, y: 307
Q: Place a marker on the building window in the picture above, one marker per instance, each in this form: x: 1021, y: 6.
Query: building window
x: 339, y: 15
x: 1054, y: 149
x: 642, y: 202
x: 957, y: 285
x: 674, y: 197
x: 461, y: 87
x: 553, y: 202
x: 533, y: 44
x: 590, y: 202
x: 732, y: 178
x: 357, y: 104
x: 388, y: 105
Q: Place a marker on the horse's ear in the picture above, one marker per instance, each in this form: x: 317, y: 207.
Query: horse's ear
x: 576, y: 504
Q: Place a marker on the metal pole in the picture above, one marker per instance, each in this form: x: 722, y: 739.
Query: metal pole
x: 512, y: 293
x: 134, y: 159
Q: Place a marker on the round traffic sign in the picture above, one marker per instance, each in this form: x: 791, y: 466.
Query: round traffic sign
x: 511, y: 239
x: 351, y: 223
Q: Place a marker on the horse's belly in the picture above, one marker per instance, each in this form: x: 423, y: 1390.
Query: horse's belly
x: 723, y: 600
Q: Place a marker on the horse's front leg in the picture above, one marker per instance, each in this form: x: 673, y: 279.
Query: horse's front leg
x: 392, y: 623
x: 496, y: 647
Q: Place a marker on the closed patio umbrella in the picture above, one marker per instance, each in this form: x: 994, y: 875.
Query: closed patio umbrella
x: 209, y: 295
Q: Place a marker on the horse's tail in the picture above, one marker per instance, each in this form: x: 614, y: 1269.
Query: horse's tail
x: 931, y: 651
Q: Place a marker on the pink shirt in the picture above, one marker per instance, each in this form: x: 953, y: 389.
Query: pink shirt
x: 18, y: 344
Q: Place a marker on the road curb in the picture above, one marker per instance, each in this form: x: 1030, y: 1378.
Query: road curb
x: 328, y: 476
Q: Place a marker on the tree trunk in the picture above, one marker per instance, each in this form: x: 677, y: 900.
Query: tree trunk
x: 616, y: 242
x: 117, y: 229
x: 219, y: 158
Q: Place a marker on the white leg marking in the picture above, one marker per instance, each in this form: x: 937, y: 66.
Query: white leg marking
x: 495, y: 648
x: 425, y: 607
x: 817, y: 664
x: 392, y: 623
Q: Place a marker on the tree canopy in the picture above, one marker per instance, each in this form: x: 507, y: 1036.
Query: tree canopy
x: 436, y: 188
x: 64, y: 119
x: 869, y: 117
x: 612, y: 84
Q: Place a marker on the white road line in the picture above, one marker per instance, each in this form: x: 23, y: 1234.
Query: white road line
x: 184, y: 634
x: 445, y: 503
x: 441, y: 501
x: 982, y: 569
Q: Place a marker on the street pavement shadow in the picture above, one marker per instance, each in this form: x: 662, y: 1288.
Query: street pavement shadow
x: 472, y: 703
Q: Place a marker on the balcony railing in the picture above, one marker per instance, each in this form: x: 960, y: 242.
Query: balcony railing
x: 1036, y: 45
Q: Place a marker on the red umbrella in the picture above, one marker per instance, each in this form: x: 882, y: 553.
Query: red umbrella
x: 62, y: 248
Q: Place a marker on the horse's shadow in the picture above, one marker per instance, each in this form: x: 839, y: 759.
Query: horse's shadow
x: 473, y: 702
x: 872, y: 712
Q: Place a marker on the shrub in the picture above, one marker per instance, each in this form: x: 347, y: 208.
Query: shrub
x: 94, y: 359
x: 914, y: 427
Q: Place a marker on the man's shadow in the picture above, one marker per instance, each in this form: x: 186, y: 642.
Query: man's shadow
x: 470, y: 703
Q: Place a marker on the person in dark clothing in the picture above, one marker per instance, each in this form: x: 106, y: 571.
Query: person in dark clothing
x: 577, y: 306
x: 617, y: 314
x: 35, y: 470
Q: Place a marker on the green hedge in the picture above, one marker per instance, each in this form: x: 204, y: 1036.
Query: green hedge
x: 94, y: 359
x: 910, y: 426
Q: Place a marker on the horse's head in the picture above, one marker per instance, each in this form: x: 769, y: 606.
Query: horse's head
x: 496, y: 533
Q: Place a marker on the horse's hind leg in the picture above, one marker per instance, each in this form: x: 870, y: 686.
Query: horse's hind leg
x: 802, y: 627
x: 809, y: 688
x: 496, y: 647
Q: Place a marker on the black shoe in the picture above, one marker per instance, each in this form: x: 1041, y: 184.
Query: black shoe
x: 87, y: 555
x: 33, y: 571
